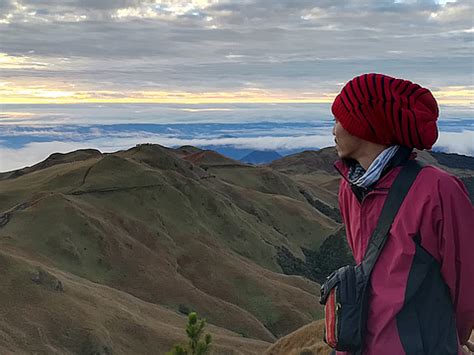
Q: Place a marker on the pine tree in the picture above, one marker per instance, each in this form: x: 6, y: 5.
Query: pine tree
x: 194, y: 330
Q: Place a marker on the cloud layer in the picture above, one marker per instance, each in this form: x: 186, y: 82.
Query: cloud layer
x: 294, y: 47
x: 28, y: 144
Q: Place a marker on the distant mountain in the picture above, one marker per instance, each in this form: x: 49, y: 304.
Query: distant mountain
x: 239, y: 153
x: 260, y: 157
x: 454, y: 161
x: 228, y: 151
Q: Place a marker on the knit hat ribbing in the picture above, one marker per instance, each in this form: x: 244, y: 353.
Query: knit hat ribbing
x: 386, y: 110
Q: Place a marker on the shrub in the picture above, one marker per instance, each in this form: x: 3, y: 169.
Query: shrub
x: 194, y: 331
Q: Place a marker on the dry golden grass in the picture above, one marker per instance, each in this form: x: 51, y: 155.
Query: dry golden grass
x: 144, y: 225
x: 88, y: 318
x: 304, y: 341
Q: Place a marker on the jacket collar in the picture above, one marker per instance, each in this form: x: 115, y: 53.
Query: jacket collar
x: 400, y: 158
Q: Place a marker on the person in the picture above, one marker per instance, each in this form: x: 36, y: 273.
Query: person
x: 421, y: 295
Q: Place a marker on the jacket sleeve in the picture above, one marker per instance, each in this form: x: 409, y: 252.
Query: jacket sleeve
x: 455, y: 242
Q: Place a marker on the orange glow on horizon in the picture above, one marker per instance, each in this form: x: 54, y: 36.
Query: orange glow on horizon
x: 44, y: 94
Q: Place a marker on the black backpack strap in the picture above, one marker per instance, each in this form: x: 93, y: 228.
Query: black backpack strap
x: 396, y: 195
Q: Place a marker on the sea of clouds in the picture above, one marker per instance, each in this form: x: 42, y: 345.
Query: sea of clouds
x: 29, y: 134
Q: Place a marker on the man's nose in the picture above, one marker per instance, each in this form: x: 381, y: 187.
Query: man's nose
x: 334, y: 130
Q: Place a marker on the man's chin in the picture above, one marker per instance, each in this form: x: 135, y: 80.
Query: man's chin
x: 340, y: 154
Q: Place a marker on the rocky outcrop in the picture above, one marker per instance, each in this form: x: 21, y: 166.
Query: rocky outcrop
x: 47, y: 280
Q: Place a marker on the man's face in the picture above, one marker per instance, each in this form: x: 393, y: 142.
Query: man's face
x: 347, y: 145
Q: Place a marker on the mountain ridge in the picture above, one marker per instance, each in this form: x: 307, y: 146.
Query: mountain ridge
x: 140, y: 220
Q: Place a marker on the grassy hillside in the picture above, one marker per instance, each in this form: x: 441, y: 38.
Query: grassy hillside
x: 150, y: 223
x: 83, y: 317
x: 305, y: 341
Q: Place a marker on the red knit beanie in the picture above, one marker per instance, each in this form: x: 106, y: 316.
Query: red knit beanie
x: 386, y: 110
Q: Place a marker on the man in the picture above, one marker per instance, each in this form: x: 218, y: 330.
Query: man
x: 421, y: 296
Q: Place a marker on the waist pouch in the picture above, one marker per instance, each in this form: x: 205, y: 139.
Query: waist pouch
x: 345, y: 292
x: 344, y: 296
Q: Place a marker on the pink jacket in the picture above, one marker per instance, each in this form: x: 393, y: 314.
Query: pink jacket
x: 436, y: 220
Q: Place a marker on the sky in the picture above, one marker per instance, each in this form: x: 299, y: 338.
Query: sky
x: 111, y: 62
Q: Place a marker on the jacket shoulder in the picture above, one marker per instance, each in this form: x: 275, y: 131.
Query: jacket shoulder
x: 430, y: 172
x: 441, y: 180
